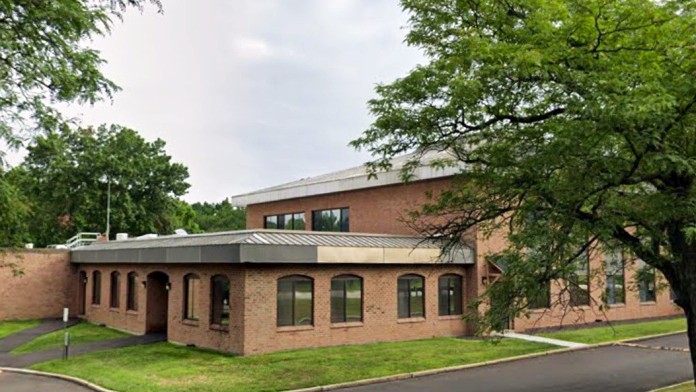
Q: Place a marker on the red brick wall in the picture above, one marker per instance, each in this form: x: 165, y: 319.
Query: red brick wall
x: 373, y: 210
x: 182, y: 331
x: 631, y: 310
x: 380, y: 321
x: 47, y: 286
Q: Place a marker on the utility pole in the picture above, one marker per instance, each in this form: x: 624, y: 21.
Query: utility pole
x: 108, y: 208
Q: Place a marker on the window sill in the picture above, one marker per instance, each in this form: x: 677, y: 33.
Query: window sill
x: 648, y: 303
x: 351, y: 324
x: 115, y: 310
x: 411, y: 320
x: 450, y: 317
x: 295, y: 328
x: 96, y: 306
x: 218, y: 327
x: 617, y: 306
x: 538, y: 310
x: 192, y: 323
x: 132, y: 312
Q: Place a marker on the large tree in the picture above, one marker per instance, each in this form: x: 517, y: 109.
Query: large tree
x: 68, y: 177
x: 573, y: 123
x: 222, y: 216
x: 45, y: 61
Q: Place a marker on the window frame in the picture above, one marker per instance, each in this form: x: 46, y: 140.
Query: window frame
x: 409, y: 311
x: 294, y: 279
x: 280, y: 221
x: 344, y: 278
x: 574, y: 287
x: 114, y: 290
x: 214, y: 320
x: 611, y: 276
x: 96, y: 288
x: 460, y: 280
x: 132, y: 291
x: 191, y: 296
x: 343, y: 219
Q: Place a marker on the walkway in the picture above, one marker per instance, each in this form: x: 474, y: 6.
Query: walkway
x: 541, y: 339
x: 611, y: 368
x: 16, y: 382
x: 11, y: 342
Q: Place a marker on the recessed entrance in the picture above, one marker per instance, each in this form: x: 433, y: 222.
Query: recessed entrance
x: 157, y: 302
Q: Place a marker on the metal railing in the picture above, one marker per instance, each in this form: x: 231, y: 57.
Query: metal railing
x: 78, y: 240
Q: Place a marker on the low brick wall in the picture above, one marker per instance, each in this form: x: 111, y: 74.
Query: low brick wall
x: 47, y: 285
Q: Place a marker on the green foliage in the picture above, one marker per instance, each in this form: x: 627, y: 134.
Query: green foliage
x: 618, y: 332
x: 10, y: 327
x: 167, y: 367
x: 573, y: 123
x: 67, y: 176
x: 79, y: 334
x: 211, y: 217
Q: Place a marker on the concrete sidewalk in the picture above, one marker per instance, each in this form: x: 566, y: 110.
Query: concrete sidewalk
x: 16, y: 382
x: 10, y: 342
x: 24, y: 360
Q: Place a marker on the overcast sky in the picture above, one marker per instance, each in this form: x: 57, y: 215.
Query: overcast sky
x: 253, y: 93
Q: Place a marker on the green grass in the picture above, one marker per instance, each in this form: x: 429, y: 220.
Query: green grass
x: 619, y: 332
x: 79, y: 334
x: 10, y: 327
x: 685, y: 387
x: 166, y: 367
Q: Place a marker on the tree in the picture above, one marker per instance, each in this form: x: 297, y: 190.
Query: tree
x: 68, y: 176
x: 573, y: 123
x: 222, y: 216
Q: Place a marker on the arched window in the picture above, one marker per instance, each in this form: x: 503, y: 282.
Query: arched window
x: 411, y: 296
x: 295, y: 301
x: 450, y: 295
x: 191, y: 284
x: 96, y: 288
x: 132, y: 291
x: 346, y: 299
x: 220, y: 300
x: 115, y: 289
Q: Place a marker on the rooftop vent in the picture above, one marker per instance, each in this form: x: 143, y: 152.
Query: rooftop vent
x: 121, y: 236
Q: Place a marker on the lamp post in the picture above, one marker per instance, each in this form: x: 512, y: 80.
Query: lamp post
x: 108, y: 207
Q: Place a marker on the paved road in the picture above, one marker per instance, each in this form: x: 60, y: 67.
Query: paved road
x: 675, y: 341
x: 15, y: 382
x: 614, y: 368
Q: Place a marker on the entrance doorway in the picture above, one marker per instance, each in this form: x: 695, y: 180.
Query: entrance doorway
x: 82, y: 293
x: 157, y: 310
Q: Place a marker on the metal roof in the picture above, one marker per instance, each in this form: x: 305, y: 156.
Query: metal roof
x: 348, y: 179
x: 269, y: 237
x: 270, y: 246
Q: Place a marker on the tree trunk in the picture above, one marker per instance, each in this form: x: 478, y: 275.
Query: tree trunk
x: 691, y: 332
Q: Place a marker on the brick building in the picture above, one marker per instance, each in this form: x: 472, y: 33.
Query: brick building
x: 324, y: 261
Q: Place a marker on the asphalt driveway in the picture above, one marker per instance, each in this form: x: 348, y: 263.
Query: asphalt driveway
x: 612, y: 368
x: 16, y: 382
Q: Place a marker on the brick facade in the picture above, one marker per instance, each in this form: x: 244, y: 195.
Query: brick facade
x: 47, y: 285
x: 253, y: 324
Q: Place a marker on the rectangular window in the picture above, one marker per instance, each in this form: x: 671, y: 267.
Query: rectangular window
x: 220, y: 300
x: 131, y: 292
x: 295, y: 306
x: 646, y: 282
x: 294, y: 221
x: 579, y: 285
x: 542, y: 298
x: 96, y: 288
x: 614, y: 275
x: 115, y: 289
x: 191, y: 285
x: 337, y: 219
x: 346, y: 299
x: 411, y: 296
x: 450, y: 295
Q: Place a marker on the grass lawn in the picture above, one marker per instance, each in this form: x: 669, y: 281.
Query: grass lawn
x: 166, y: 367
x: 10, y: 327
x: 79, y: 334
x: 619, y: 332
x: 685, y: 387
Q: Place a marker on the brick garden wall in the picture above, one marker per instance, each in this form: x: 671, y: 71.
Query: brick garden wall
x: 48, y: 284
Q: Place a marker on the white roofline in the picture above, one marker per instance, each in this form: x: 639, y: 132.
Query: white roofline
x: 338, y: 185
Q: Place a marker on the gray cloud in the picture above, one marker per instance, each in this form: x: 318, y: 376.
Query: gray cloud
x: 250, y: 94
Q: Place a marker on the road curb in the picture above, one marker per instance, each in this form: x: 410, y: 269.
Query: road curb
x: 431, y: 372
x: 672, y: 386
x: 74, y: 380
